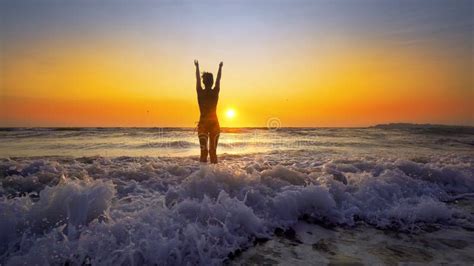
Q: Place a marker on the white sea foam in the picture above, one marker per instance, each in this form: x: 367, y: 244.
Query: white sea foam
x: 135, y: 210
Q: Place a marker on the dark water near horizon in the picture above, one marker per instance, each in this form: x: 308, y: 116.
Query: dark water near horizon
x: 24, y: 142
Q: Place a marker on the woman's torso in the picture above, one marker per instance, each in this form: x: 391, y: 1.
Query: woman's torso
x: 207, y: 100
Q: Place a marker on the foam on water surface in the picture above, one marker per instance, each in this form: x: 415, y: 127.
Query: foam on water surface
x: 136, y: 210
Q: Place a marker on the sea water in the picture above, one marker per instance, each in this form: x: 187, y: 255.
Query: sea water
x: 305, y: 196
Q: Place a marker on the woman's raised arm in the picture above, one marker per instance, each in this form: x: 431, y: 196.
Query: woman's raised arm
x: 198, y: 76
x: 218, y: 79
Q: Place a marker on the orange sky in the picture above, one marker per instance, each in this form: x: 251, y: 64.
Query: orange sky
x: 124, y: 77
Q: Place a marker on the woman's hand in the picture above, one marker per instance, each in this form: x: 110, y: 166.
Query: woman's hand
x: 221, y: 64
x: 196, y: 63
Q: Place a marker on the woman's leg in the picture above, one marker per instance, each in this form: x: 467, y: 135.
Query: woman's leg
x: 213, y: 140
x: 203, y: 136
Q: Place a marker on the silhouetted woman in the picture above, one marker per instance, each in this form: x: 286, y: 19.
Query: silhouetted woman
x: 208, y: 127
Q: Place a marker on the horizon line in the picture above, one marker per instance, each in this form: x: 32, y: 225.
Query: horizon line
x: 257, y: 127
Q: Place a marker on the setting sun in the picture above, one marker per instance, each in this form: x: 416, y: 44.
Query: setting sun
x: 230, y: 113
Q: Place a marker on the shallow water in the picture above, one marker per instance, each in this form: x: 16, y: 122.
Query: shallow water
x: 371, y: 196
x: 362, y: 245
x: 20, y: 142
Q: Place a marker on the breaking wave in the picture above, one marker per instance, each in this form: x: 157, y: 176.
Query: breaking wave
x: 136, y: 210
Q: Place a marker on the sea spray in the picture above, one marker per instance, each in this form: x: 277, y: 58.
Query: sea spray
x: 137, y: 210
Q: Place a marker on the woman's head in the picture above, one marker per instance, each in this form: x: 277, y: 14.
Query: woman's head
x: 207, y: 79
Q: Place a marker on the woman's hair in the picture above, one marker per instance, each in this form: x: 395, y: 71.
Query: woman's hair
x: 207, y: 78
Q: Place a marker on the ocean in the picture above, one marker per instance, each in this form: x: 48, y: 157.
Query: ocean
x: 389, y: 194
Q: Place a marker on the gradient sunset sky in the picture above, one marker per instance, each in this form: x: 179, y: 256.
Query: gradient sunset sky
x: 307, y: 63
